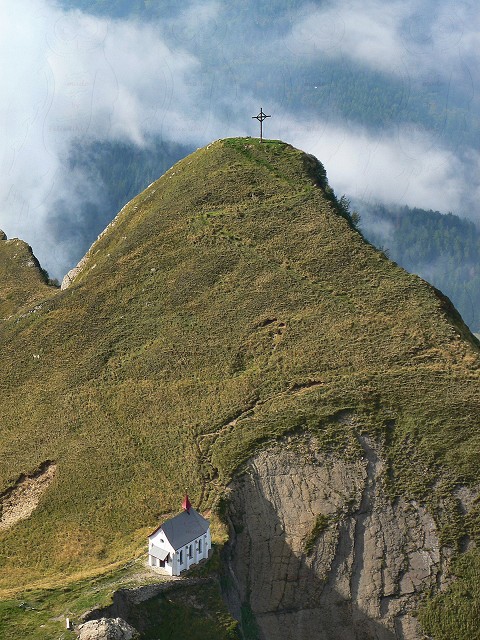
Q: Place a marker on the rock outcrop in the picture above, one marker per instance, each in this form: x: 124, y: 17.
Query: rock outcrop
x: 318, y: 550
x: 107, y: 629
x: 20, y: 500
x: 73, y: 273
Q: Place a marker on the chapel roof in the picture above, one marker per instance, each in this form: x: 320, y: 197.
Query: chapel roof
x: 183, y: 528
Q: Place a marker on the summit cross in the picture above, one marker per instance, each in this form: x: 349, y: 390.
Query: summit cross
x: 261, y: 117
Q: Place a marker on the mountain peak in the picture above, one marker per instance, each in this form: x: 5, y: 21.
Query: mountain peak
x: 224, y: 173
x: 230, y: 305
x: 23, y: 282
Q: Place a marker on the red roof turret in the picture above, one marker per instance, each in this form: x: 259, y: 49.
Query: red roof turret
x: 186, y: 504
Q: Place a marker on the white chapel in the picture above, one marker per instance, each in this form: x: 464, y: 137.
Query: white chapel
x: 180, y: 542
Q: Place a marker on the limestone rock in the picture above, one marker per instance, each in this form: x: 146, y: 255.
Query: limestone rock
x: 73, y: 273
x: 3, y: 235
x: 363, y: 571
x: 107, y: 629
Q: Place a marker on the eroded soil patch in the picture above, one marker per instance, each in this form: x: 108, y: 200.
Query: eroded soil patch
x: 21, y: 500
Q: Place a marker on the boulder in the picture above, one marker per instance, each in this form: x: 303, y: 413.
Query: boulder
x: 107, y: 629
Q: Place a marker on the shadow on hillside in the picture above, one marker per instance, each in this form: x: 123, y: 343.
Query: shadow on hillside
x: 276, y: 595
x: 187, y: 608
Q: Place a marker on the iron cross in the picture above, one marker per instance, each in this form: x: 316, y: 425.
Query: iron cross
x: 261, y: 117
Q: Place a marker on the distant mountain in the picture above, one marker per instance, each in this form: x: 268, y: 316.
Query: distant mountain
x: 231, y: 333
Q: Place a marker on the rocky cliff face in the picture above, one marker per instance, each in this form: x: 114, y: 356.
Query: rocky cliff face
x: 318, y: 550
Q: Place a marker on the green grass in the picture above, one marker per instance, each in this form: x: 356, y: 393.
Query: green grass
x: 231, y: 303
x: 454, y: 614
x: 23, y: 282
x: 194, y: 612
x: 191, y: 611
x: 39, y: 614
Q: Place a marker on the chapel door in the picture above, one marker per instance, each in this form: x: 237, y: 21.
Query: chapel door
x: 166, y: 561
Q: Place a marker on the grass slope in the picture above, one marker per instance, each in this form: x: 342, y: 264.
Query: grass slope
x: 231, y: 302
x: 194, y: 611
x: 22, y: 281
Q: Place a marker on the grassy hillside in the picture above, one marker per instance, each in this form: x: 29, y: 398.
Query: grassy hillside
x: 230, y: 303
x: 22, y: 281
x: 442, y: 248
x: 195, y: 611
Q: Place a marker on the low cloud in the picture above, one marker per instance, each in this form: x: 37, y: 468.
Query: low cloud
x: 190, y: 78
x: 75, y: 77
x: 402, y: 166
x: 364, y: 31
x: 403, y: 37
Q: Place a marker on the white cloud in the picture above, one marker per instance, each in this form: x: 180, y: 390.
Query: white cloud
x: 403, y: 166
x: 403, y: 36
x: 366, y: 31
x: 68, y: 76
x: 189, y: 79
